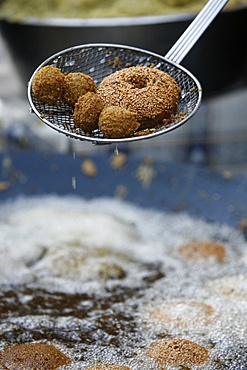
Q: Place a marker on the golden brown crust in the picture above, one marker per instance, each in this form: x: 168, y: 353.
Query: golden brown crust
x: 202, y: 250
x: 77, y: 84
x: 47, y: 84
x: 33, y: 356
x: 178, y: 352
x: 117, y: 122
x: 87, y: 111
x: 149, y: 92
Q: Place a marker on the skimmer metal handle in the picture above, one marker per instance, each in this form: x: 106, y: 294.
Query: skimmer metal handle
x: 185, y: 43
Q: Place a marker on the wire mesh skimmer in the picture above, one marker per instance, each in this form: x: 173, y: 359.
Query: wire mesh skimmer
x: 98, y: 61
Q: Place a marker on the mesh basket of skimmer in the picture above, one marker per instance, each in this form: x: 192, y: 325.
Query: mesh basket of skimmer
x: 100, y: 60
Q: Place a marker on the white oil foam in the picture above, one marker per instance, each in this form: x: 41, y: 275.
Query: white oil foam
x: 72, y: 248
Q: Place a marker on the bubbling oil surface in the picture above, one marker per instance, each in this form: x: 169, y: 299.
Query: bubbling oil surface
x: 103, y: 281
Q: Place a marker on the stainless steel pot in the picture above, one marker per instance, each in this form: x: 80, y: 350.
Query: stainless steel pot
x: 218, y: 65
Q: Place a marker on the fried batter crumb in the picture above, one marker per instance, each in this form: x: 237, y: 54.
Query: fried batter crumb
x: 88, y: 168
x: 118, y: 160
x: 145, y: 173
x: 4, y: 185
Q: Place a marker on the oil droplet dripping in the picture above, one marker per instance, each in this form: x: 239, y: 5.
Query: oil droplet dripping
x: 116, y: 150
x: 73, y: 182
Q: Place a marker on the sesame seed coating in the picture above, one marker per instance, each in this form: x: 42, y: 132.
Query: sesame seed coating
x: 149, y: 92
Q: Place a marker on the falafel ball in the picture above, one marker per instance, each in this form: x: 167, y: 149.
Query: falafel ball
x: 77, y: 84
x: 87, y: 111
x: 116, y: 122
x: 47, y: 84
